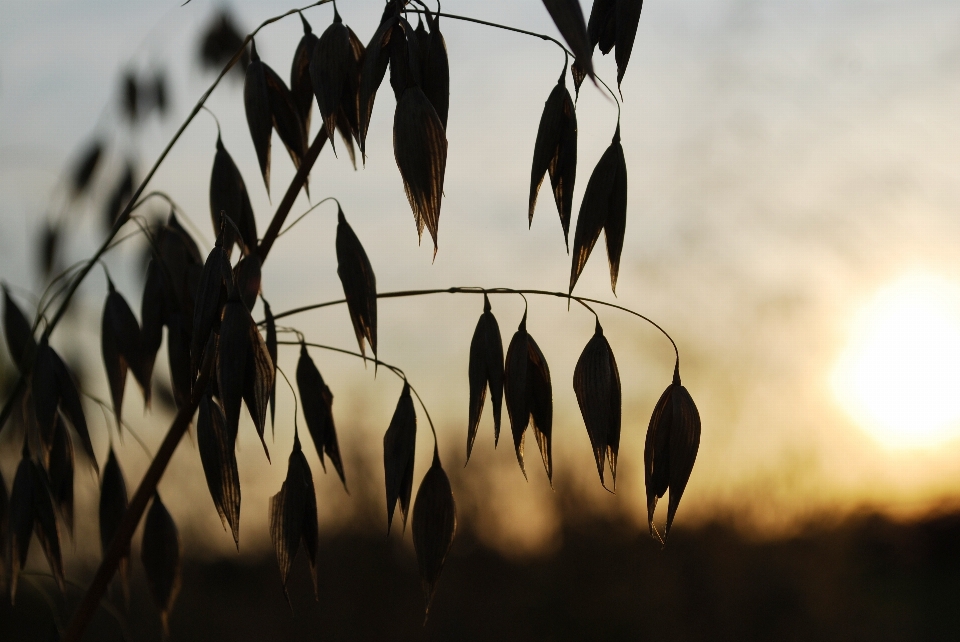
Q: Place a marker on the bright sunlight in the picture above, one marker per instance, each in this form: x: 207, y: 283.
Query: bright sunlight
x: 899, y: 374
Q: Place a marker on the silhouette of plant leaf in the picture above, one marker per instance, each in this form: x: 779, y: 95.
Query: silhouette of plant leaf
x: 219, y: 459
x: 160, y: 554
x: 670, y: 449
x: 151, y: 332
x: 578, y: 74
x: 221, y: 40
x: 52, y: 386
x: 258, y: 380
x: 568, y: 16
x: 556, y: 151
x: 399, y: 447
x: 614, y: 23
x: 434, y: 66
x: 45, y: 524
x: 300, y: 85
x: 272, y: 349
x: 85, y: 167
x: 420, y: 149
x: 210, y: 298
x: 604, y: 207
x: 18, y: 333
x: 374, y: 66
x: 113, y: 505
x: 596, y: 382
x: 529, y: 394
x: 178, y: 354
x: 232, y: 352
x: 31, y: 510
x: 21, y: 520
x: 256, y: 102
x: 247, y: 274
x: 120, y: 345
x: 120, y: 196
x: 359, y: 283
x: 434, y: 526
x: 60, y: 468
x: 317, y: 403
x: 485, y: 369
x: 286, y: 116
x: 293, y: 516
x: 228, y: 195
x: 334, y: 72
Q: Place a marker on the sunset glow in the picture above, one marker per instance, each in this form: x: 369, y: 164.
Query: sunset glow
x: 899, y: 374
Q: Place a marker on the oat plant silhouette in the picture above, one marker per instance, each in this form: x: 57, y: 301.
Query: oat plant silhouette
x: 223, y: 351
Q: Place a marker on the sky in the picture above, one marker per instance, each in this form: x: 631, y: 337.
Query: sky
x: 791, y: 223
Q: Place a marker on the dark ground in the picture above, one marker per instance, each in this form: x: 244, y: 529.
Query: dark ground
x: 866, y: 579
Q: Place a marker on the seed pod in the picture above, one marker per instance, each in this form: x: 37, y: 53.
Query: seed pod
x: 374, y: 66
x: 178, y: 355
x: 604, y: 207
x: 60, y: 473
x: 120, y: 345
x: 293, y: 517
x: 404, y: 58
x: 578, y: 74
x: 219, y: 458
x: 52, y: 386
x: 86, y: 165
x: 529, y: 395
x: 247, y: 275
x: 317, y: 403
x: 596, y: 382
x: 210, y: 299
x: 31, y: 510
x: 334, y: 72
x: 151, y: 332
x: 272, y: 349
x: 120, y: 197
x: 399, y: 446
x: 359, y: 284
x: 232, y: 360
x: 568, y: 17
x: 434, y: 66
x: 300, y: 84
x: 285, y: 116
x: 19, y: 333
x: 21, y: 520
x: 258, y: 380
x: 220, y: 42
x: 556, y: 151
x: 670, y: 450
x: 485, y: 369
x: 113, y: 505
x: 420, y: 149
x: 434, y: 526
x: 256, y: 102
x: 228, y: 195
x: 615, y: 22
x: 49, y: 243
x: 160, y: 554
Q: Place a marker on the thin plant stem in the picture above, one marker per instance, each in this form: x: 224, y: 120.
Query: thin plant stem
x: 474, y: 290
x: 304, y: 215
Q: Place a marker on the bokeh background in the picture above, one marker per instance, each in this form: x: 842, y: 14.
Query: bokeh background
x: 792, y: 222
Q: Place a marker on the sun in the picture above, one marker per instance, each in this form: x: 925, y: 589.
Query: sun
x: 899, y: 375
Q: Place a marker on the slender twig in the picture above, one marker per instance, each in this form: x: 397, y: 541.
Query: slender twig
x: 472, y: 290
x: 304, y: 215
